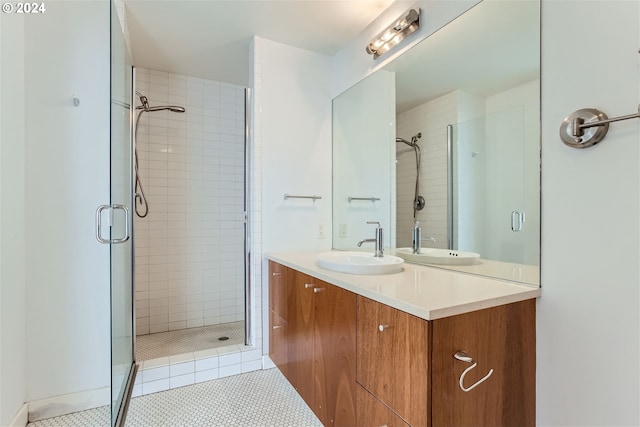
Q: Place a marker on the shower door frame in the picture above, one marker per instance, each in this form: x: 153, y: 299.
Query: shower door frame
x: 120, y: 241
x: 248, y: 229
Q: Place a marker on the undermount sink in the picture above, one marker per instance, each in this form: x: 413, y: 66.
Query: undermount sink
x: 359, y: 263
x: 438, y: 256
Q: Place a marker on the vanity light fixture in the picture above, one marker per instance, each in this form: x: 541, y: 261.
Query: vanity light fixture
x: 395, y: 33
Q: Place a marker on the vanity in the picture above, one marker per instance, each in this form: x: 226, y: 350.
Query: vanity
x: 440, y: 148
x: 423, y: 347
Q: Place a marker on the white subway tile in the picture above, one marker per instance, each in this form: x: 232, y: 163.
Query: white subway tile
x: 253, y: 365
x: 182, y: 380
x: 176, y: 369
x: 207, y: 363
x: 227, y: 371
x: 155, y: 386
x: 208, y: 375
x: 230, y: 359
x: 154, y: 374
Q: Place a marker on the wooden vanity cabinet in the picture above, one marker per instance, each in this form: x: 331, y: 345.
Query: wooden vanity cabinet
x: 320, y: 345
x: 401, y: 370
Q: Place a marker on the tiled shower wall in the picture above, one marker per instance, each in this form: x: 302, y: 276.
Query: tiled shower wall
x: 189, y: 250
x: 430, y: 119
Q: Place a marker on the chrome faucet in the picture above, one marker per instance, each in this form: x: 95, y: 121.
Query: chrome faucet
x: 417, y: 238
x: 379, y: 251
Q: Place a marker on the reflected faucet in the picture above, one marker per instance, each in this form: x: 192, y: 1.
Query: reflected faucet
x: 417, y: 238
x: 379, y: 251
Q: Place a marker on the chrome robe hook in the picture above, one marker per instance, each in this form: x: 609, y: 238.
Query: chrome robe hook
x: 463, y: 357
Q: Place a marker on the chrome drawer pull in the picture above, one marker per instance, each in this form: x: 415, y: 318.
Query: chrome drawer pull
x: 383, y: 328
x: 308, y: 285
x: 277, y: 327
x: 316, y: 290
x: 276, y: 273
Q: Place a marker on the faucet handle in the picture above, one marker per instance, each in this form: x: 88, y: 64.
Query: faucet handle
x: 374, y: 222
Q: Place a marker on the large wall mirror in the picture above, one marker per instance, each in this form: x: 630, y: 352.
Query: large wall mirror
x: 447, y: 136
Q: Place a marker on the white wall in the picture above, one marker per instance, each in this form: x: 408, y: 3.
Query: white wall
x: 190, y: 247
x: 588, y: 316
x: 12, y: 218
x: 292, y: 154
x: 67, y: 177
x: 294, y: 103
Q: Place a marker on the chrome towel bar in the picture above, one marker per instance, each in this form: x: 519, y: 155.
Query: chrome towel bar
x: 371, y: 199
x: 289, y: 196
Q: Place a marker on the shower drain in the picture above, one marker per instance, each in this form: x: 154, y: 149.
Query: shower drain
x: 223, y: 338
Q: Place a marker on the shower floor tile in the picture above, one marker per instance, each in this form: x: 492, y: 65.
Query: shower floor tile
x: 260, y: 398
x: 189, y: 340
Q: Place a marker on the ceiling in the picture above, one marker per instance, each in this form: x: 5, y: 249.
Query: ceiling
x: 210, y: 38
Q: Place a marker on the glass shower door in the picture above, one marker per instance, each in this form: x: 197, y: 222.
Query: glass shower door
x: 488, y: 211
x: 121, y: 244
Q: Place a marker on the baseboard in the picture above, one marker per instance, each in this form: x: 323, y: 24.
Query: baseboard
x: 267, y: 363
x: 69, y: 403
x: 21, y: 419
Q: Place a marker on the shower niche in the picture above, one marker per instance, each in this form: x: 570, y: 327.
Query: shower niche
x: 189, y: 230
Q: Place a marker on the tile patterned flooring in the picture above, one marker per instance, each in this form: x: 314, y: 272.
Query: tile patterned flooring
x: 172, y: 343
x: 260, y: 398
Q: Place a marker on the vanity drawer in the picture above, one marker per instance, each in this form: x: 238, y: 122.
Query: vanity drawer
x: 393, y: 358
x: 373, y: 413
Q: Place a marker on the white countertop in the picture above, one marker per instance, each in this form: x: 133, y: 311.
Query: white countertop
x: 426, y: 292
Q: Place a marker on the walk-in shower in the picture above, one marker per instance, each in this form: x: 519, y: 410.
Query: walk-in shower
x: 141, y: 204
x: 190, y: 232
x: 418, y: 200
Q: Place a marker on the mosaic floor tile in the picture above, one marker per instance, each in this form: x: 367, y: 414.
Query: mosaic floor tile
x: 189, y: 340
x: 260, y: 398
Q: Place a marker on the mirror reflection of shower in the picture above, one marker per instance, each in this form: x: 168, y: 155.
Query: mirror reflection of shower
x: 418, y: 200
x: 141, y: 205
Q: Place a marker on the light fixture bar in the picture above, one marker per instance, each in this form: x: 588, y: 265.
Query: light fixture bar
x: 395, y: 33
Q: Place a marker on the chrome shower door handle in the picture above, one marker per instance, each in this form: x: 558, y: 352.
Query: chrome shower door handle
x: 517, y: 220
x: 112, y: 208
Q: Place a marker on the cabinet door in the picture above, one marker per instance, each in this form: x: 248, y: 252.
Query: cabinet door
x: 300, y: 335
x: 393, y: 359
x: 500, y: 338
x: 335, y: 355
x: 278, y: 351
x: 278, y: 277
x: 373, y: 413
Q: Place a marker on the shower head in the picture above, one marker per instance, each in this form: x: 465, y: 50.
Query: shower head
x: 145, y: 105
x: 404, y: 141
x: 414, y: 140
x: 172, y: 108
x: 144, y: 101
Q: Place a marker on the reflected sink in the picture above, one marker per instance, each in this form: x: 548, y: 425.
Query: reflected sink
x: 439, y: 256
x: 359, y: 263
